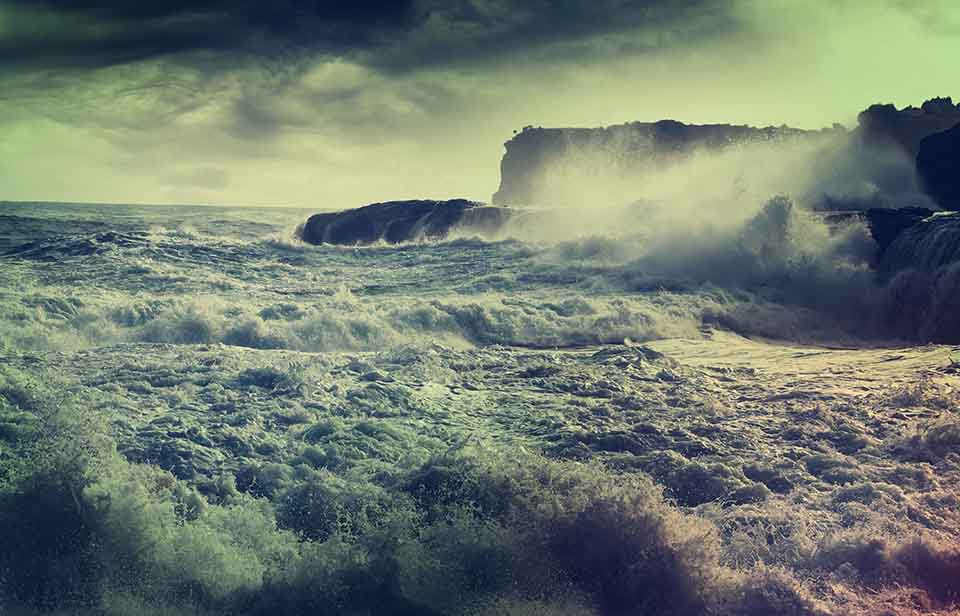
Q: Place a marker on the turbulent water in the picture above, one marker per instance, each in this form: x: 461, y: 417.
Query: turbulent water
x: 723, y: 422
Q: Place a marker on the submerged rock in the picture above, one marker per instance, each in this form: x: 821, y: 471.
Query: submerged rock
x: 938, y: 167
x: 875, y: 166
x: 403, y: 221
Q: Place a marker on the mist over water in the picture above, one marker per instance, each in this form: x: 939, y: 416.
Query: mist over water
x: 753, y: 219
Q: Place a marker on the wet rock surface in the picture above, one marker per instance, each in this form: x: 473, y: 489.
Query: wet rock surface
x: 403, y: 221
x: 907, y: 128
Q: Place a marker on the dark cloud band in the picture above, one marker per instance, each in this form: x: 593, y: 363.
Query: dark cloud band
x: 398, y: 36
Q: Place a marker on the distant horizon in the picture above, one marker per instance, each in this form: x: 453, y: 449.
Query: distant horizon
x: 145, y: 204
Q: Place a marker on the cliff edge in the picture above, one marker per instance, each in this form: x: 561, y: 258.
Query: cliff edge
x: 533, y: 150
x: 874, y: 164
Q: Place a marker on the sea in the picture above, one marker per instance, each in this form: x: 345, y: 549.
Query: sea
x: 715, y: 419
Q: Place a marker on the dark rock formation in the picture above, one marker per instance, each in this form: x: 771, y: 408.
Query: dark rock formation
x: 886, y: 224
x: 870, y: 166
x: 402, y: 221
x: 938, y: 167
x: 883, y: 125
x: 533, y: 150
x: 875, y: 165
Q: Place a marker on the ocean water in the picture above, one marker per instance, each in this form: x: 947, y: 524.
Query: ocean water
x: 151, y: 274
x: 76, y: 276
x: 201, y: 414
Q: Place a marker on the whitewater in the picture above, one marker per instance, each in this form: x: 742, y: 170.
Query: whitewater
x: 730, y: 419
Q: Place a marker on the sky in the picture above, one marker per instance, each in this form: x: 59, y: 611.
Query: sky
x: 336, y: 104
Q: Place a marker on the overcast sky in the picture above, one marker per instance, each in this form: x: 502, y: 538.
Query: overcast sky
x: 335, y: 104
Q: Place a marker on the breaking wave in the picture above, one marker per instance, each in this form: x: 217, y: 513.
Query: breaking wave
x: 782, y: 273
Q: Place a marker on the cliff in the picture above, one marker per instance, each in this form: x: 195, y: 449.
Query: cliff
x: 938, y: 167
x: 929, y: 245
x: 872, y: 165
x: 533, y: 150
x: 885, y: 125
x: 402, y: 221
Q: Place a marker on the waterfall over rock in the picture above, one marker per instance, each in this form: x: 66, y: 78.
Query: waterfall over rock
x: 927, y: 245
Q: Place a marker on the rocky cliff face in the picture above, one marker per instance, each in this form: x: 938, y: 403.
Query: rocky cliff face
x: 869, y: 166
x: 885, y: 125
x: 533, y: 150
x: 938, y: 167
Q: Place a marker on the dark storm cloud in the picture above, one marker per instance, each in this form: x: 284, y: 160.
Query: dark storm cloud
x: 394, y: 36
x: 67, y: 33
x: 482, y: 31
x: 246, y: 61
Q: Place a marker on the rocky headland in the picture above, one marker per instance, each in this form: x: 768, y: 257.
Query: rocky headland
x: 532, y: 150
x: 913, y: 151
x: 403, y: 221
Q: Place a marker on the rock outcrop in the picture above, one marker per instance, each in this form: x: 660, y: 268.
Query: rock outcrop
x: 875, y: 166
x: 884, y: 125
x: 403, y: 221
x: 868, y: 166
x: 938, y: 167
x: 533, y: 150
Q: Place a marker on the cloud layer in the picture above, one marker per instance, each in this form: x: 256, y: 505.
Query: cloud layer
x: 332, y: 103
x: 399, y: 35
